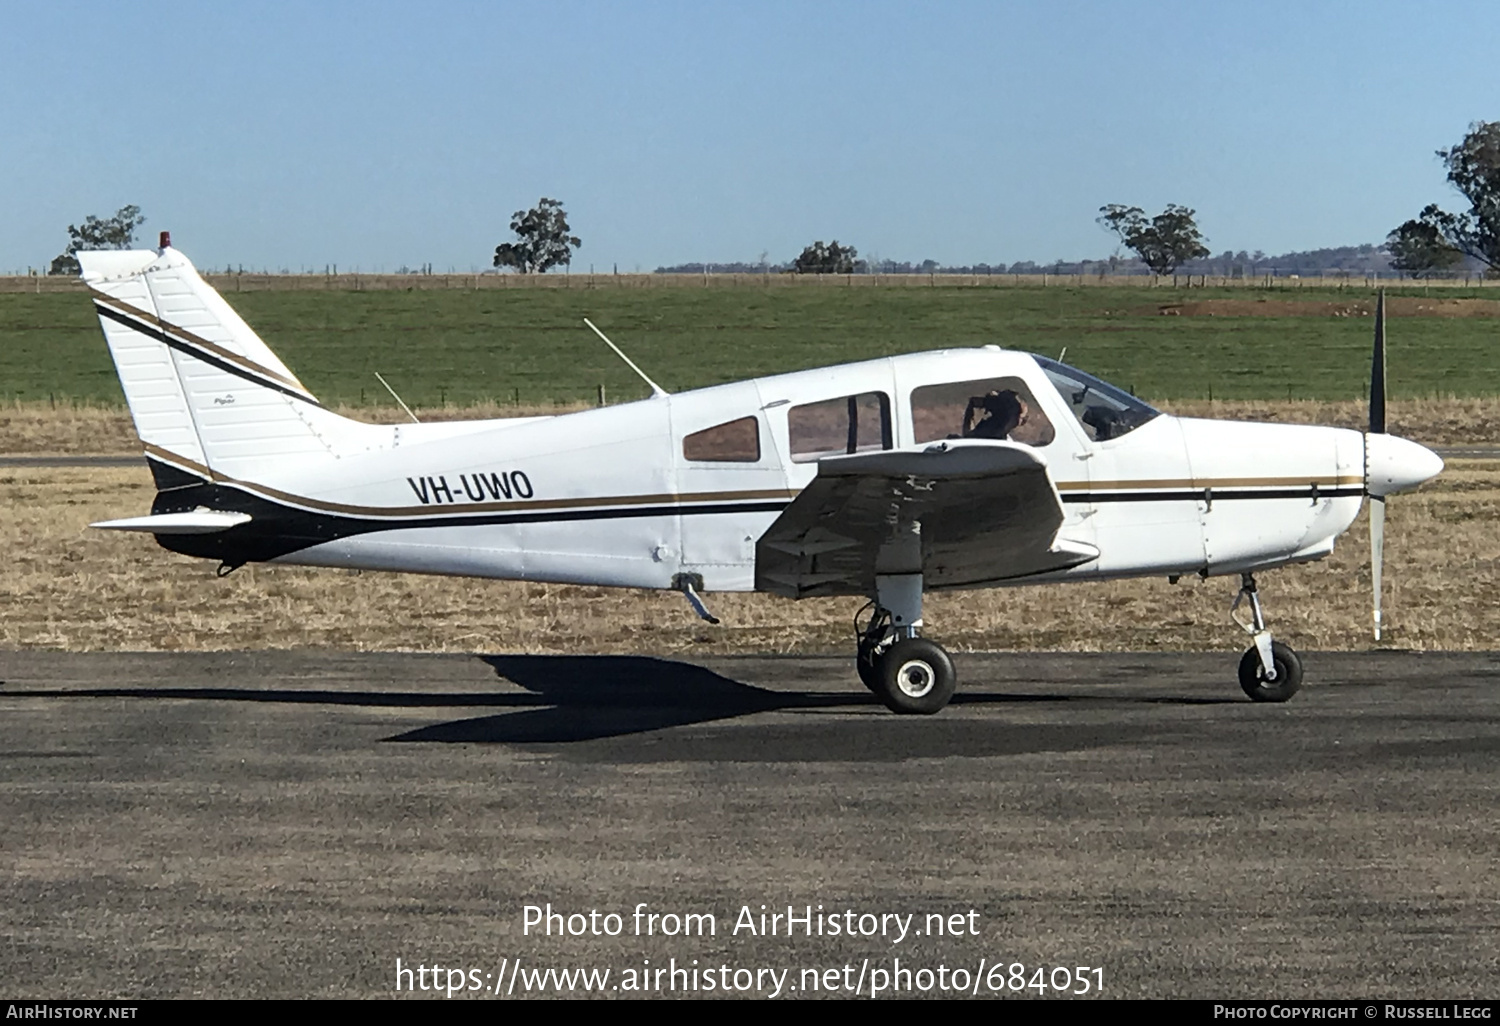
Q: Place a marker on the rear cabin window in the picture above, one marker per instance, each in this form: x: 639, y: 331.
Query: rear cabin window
x: 738, y: 441
x: 837, y: 427
x: 998, y: 408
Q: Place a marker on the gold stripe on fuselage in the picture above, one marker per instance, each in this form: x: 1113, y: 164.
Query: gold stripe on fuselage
x: 464, y: 509
x: 675, y: 498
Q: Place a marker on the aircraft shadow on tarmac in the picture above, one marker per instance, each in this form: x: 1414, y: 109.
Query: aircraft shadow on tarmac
x: 590, y: 698
x: 569, y: 699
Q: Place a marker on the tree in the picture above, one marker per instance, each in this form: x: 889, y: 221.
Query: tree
x: 1418, y: 247
x: 544, y: 239
x: 116, y: 232
x: 1164, y: 243
x: 829, y: 259
x: 1474, y: 170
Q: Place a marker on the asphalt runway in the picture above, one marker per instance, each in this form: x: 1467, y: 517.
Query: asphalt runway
x: 288, y: 824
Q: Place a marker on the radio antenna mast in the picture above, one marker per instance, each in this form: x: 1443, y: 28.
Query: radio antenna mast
x: 657, y: 392
x: 396, y: 397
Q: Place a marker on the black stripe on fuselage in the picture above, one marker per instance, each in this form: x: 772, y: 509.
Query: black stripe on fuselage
x: 198, y: 354
x: 1212, y: 494
x: 276, y: 529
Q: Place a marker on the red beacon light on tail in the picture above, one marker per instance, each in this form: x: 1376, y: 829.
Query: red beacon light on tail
x: 166, y: 240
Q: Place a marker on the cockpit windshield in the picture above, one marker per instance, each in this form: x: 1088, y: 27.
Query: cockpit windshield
x: 1104, y: 411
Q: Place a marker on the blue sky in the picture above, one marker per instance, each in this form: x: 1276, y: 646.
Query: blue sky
x: 373, y: 135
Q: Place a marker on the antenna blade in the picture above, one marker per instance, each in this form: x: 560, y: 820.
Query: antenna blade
x: 396, y: 397
x: 1377, y: 370
x: 656, y: 390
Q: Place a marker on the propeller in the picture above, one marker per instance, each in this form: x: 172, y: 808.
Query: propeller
x: 1391, y: 464
x: 1377, y: 427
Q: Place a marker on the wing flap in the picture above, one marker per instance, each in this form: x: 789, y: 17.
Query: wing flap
x: 988, y: 513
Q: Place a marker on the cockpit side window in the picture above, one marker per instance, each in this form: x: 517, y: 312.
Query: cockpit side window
x: 1104, y: 411
x: 997, y: 408
x: 835, y: 427
x: 738, y: 441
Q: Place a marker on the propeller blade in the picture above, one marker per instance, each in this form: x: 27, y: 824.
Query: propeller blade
x: 1377, y: 369
x: 1377, y: 552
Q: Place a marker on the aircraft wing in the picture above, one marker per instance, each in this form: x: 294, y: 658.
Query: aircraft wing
x: 988, y: 513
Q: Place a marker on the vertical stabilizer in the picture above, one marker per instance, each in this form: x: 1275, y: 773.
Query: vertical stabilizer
x: 202, y: 386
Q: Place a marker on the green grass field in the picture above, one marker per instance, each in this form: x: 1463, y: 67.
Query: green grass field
x: 460, y: 347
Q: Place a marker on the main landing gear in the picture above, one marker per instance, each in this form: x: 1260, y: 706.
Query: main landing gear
x: 1269, y: 670
x: 908, y: 673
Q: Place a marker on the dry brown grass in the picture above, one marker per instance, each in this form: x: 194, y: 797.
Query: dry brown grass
x: 1447, y: 421
x: 41, y: 429
x: 30, y: 428
x: 68, y: 587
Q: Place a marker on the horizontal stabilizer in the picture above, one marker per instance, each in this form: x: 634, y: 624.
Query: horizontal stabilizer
x: 200, y: 521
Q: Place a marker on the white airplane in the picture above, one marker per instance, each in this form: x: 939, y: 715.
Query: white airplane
x: 964, y: 468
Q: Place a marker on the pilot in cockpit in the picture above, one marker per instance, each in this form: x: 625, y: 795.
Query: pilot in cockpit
x: 994, y: 415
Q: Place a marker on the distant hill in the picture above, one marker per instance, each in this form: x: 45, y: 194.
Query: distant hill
x: 726, y: 268
x: 1329, y: 262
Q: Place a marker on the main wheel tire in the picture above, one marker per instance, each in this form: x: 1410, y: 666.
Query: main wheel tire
x: 1288, y: 674
x: 915, y: 677
x: 867, y: 663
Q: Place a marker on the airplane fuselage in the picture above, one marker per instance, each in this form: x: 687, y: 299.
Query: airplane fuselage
x: 641, y: 493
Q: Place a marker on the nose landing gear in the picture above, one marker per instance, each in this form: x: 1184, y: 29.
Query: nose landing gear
x: 1269, y: 670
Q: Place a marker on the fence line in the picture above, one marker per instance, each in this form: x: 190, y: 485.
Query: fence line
x: 260, y: 282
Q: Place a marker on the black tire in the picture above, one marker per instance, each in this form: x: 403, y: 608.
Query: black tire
x: 915, y: 677
x: 867, y: 664
x: 1288, y: 674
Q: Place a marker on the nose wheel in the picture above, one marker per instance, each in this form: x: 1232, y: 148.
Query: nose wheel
x: 1284, y: 685
x: 1269, y: 670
